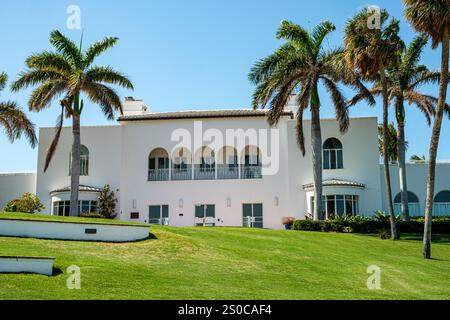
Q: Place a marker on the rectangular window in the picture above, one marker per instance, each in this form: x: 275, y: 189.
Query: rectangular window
x: 159, y: 214
x: 333, y: 159
x: 340, y: 160
x: 326, y: 159
x: 205, y: 215
x: 163, y: 163
x: 355, y: 205
x: 339, y: 205
x: 84, y: 165
x: 252, y: 215
x: 152, y: 164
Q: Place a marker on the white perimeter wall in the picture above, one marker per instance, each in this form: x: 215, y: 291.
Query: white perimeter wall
x: 72, y: 231
x: 14, y: 185
x: 26, y: 265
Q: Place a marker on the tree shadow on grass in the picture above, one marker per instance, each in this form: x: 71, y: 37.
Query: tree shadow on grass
x: 56, y: 272
x: 151, y: 236
x: 435, y: 238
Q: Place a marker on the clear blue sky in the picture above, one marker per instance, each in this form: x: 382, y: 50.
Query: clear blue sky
x: 182, y: 54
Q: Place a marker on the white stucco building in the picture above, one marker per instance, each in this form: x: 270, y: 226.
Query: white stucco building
x: 223, y: 168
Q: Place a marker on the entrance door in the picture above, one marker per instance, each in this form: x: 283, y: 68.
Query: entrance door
x: 159, y: 215
x: 252, y: 214
x: 205, y: 215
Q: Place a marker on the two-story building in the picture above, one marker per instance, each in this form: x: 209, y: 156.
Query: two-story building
x: 224, y: 168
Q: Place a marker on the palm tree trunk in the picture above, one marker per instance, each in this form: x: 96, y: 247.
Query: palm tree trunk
x: 402, y: 169
x: 435, y: 143
x: 385, y: 154
x: 316, y: 145
x: 75, y: 166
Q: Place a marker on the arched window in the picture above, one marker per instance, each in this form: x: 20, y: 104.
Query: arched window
x: 442, y: 203
x: 413, y: 204
x: 332, y: 154
x: 158, y: 165
x: 84, y: 161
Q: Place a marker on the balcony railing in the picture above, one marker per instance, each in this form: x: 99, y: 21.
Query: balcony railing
x: 204, y: 172
x: 251, y: 172
x: 227, y: 171
x: 158, y: 175
x: 182, y: 173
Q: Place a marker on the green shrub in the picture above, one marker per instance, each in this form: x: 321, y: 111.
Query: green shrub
x: 369, y: 226
x: 27, y: 203
x: 107, y: 203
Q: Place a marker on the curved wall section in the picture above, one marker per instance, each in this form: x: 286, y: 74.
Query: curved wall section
x: 73, y: 230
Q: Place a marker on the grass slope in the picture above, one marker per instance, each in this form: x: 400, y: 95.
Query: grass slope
x: 232, y: 263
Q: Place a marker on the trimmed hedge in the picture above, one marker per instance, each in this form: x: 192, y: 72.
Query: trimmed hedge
x: 369, y: 226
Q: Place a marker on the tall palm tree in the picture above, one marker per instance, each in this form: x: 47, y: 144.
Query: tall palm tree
x: 371, y: 51
x: 392, y: 142
x: 300, y: 65
x: 67, y: 73
x: 404, y: 81
x: 13, y: 119
x: 432, y: 17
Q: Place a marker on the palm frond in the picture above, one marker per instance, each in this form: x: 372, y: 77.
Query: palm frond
x: 98, y: 48
x: 429, y: 17
x: 45, y: 94
x: 34, y: 77
x: 16, y: 123
x: 52, y: 149
x: 296, y: 34
x: 321, y: 31
x: 106, y: 97
x: 108, y: 75
x: 67, y: 48
x: 49, y: 61
x: 423, y: 102
x: 303, y: 99
x: 3, y: 80
x: 264, y: 67
x: 411, y: 55
x: 339, y: 103
x: 427, y: 77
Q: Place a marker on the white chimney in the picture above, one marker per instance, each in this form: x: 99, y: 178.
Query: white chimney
x: 292, y: 104
x: 133, y: 107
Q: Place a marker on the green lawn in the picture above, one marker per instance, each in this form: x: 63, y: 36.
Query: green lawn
x: 45, y: 217
x: 233, y: 263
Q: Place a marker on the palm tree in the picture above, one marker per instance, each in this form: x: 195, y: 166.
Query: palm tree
x: 371, y: 51
x: 299, y: 66
x: 392, y: 142
x: 67, y: 73
x: 13, y: 119
x: 404, y: 80
x: 433, y: 19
